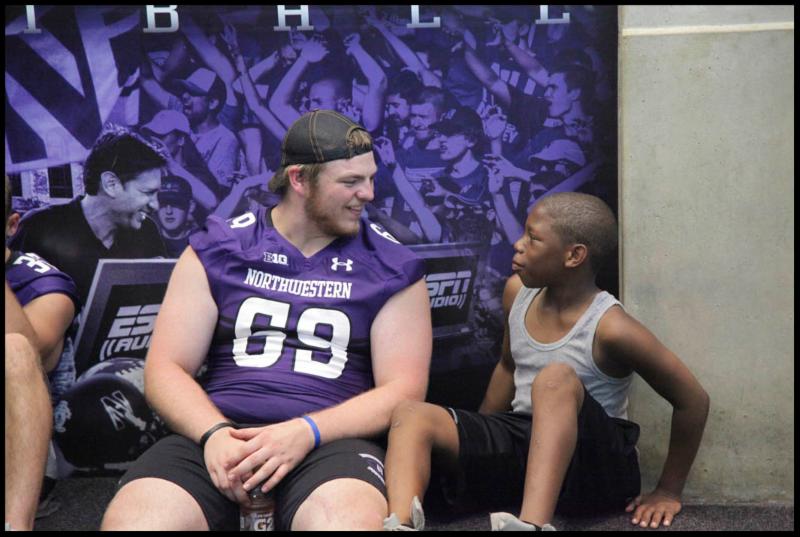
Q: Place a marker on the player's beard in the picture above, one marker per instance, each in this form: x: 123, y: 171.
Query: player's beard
x: 326, y: 217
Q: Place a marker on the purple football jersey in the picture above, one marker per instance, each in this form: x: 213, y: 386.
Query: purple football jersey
x: 30, y: 277
x: 293, y: 334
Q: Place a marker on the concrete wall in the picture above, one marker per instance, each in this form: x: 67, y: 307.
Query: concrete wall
x: 707, y: 215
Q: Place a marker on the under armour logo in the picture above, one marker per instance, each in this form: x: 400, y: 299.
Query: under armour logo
x: 336, y: 264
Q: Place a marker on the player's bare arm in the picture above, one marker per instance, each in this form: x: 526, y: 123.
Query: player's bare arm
x: 50, y: 315
x: 180, y: 342
x: 43, y: 321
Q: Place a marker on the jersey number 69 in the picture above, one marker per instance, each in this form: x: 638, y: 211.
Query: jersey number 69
x: 278, y: 313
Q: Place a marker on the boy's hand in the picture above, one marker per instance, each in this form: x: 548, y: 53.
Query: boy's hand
x: 652, y: 508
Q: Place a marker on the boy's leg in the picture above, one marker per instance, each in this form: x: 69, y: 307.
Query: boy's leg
x: 556, y: 399
x: 29, y: 419
x: 418, y: 431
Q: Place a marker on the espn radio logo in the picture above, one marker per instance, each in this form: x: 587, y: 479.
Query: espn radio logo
x: 449, y: 289
x: 130, y: 331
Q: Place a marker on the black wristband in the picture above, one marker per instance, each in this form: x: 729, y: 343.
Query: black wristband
x: 215, y: 428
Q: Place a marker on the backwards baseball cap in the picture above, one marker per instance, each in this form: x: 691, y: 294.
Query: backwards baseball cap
x: 167, y: 121
x: 561, y: 149
x: 321, y: 136
x: 175, y: 191
x: 462, y: 120
x: 201, y: 83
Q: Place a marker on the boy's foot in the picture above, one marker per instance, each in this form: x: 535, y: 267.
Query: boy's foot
x: 508, y: 522
x: 392, y: 523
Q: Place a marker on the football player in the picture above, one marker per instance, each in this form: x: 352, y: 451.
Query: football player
x: 314, y: 324
x: 41, y: 302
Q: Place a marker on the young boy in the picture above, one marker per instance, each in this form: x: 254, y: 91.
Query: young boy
x: 569, y: 354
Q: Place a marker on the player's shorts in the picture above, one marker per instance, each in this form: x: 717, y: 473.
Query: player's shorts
x: 493, y: 454
x: 179, y: 460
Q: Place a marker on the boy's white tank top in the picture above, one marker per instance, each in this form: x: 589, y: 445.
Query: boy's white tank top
x: 574, y: 349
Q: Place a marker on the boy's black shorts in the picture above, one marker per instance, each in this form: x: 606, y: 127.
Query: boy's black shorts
x: 493, y: 454
x: 179, y: 460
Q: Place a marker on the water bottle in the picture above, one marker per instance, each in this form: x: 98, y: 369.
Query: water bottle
x: 260, y: 514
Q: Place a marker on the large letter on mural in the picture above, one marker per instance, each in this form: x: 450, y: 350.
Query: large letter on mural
x: 305, y: 25
x: 152, y: 11
x: 415, y: 22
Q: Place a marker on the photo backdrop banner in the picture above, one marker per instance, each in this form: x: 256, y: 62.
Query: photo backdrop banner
x: 476, y: 112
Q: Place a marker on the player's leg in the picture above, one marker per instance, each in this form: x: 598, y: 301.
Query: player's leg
x: 419, y: 431
x: 338, y: 486
x: 342, y: 505
x: 556, y: 399
x: 28, y: 426
x: 153, y: 504
x: 168, y: 488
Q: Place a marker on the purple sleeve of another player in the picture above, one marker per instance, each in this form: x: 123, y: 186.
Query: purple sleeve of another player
x: 30, y: 277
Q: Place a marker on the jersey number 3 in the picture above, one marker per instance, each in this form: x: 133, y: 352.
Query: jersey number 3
x: 278, y: 313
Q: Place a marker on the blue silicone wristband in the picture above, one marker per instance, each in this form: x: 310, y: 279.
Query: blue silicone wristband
x: 314, y: 429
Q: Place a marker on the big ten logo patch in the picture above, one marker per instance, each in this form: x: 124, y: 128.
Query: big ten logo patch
x: 449, y: 289
x: 130, y: 331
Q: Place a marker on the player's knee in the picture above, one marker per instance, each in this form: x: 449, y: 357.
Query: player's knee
x: 342, y: 504
x: 116, y: 517
x: 21, y: 360
x: 122, y: 512
x: 555, y: 379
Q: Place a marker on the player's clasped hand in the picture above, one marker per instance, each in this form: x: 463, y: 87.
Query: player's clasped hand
x: 270, y: 453
x: 220, y: 453
x: 651, y: 509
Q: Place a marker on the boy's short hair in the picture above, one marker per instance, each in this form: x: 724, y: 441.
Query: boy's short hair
x: 123, y: 152
x: 584, y: 219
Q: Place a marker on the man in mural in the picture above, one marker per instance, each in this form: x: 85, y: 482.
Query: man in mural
x: 175, y: 206
x: 416, y: 160
x: 203, y: 95
x: 122, y: 176
x: 568, y: 87
x: 171, y: 129
x: 40, y: 303
x: 399, y: 95
x: 294, y: 309
x: 461, y: 194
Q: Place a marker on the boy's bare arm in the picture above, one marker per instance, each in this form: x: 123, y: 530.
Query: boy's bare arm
x: 500, y: 391
x: 625, y: 341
